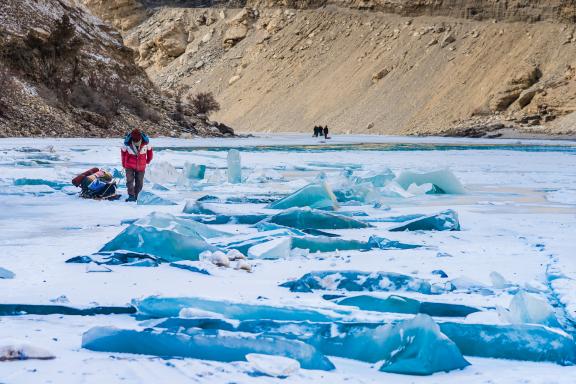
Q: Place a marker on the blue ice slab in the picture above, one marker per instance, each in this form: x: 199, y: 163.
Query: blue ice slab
x: 189, y: 267
x: 360, y: 281
x: 181, y: 225
x: 443, y: 179
x: 50, y: 183
x: 39, y: 309
x: 244, y: 242
x: 317, y: 196
x: 517, y: 342
x: 149, y: 198
x: 356, y: 194
x: 383, y: 243
x: 413, y: 346
x: 194, y: 171
x: 317, y: 232
x: 528, y: 308
x: 394, y: 219
x: 117, y: 173
x: 199, y: 344
x: 6, y: 274
x: 197, y: 208
x: 234, y: 167
x: 328, y: 244
x: 400, y: 304
x: 227, y: 219
x: 306, y: 218
x: 155, y: 306
x: 443, y: 221
x: 265, y: 226
x: 418, y: 347
x: 118, y: 258
x: 364, y: 341
x: 165, y: 236
x: 379, y: 179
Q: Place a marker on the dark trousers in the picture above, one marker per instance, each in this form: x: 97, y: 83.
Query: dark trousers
x: 134, y: 181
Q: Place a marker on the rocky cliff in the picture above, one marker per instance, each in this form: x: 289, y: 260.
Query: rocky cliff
x: 64, y: 72
x: 454, y: 67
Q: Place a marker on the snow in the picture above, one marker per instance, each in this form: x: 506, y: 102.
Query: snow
x: 518, y: 219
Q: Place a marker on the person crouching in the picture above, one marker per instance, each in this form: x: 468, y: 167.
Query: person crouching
x: 136, y: 154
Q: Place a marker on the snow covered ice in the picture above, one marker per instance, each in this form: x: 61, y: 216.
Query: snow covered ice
x: 485, y: 249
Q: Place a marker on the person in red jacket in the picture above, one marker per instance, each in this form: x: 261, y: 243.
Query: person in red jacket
x: 136, y: 154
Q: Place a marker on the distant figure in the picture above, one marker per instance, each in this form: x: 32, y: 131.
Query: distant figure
x: 136, y: 154
x: 315, y: 131
x: 325, y: 132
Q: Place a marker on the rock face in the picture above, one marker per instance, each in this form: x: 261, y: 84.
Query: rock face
x: 396, y: 71
x: 90, y: 86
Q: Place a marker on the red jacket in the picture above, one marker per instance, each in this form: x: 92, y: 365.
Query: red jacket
x: 136, y: 161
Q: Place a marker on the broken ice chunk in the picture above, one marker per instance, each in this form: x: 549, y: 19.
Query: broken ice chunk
x: 443, y: 221
x: 328, y: 244
x: 193, y: 171
x: 155, y: 306
x: 234, y: 167
x: 199, y: 344
x: 306, y: 218
x: 317, y: 196
x: 167, y: 244
x: 499, y: 282
x: 400, y: 304
x: 275, y: 366
x: 364, y: 341
x: 265, y: 226
x: 378, y: 179
x: 527, y: 308
x: 50, y: 183
x: 6, y: 274
x: 383, y: 243
x: 443, y: 179
x: 516, y: 342
x: 149, y: 198
x: 244, y: 242
x: 354, y: 194
x: 359, y: 281
x: 464, y: 283
x: 162, y: 172
x: 278, y: 248
x: 118, y: 258
x: 179, y: 224
x: 424, y: 189
x: 18, y: 350
x: 417, y: 347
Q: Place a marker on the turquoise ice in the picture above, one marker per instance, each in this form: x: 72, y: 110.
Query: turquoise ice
x: 418, y: 347
x: 528, y: 308
x: 443, y: 221
x: 364, y: 341
x: 234, y: 167
x: 149, y: 198
x: 317, y: 196
x: 155, y: 306
x: 194, y: 171
x: 400, y: 304
x: 199, y: 344
x: 443, y: 179
x: 360, y: 281
x: 307, y: 218
x: 165, y: 236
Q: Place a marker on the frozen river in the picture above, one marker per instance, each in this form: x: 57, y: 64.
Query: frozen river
x: 517, y: 214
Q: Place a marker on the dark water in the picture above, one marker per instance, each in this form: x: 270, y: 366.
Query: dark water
x: 383, y: 147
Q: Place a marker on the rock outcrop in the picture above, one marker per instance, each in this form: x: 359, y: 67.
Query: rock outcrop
x: 64, y: 72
